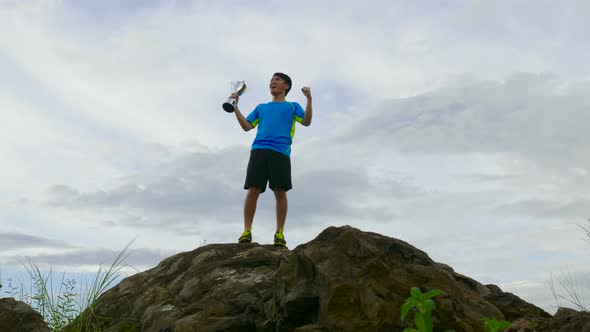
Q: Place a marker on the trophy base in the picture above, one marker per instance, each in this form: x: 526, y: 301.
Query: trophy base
x: 229, y: 108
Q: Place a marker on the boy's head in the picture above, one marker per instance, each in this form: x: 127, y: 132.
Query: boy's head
x: 280, y: 83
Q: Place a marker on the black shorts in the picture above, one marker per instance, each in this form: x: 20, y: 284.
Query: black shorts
x: 268, y: 166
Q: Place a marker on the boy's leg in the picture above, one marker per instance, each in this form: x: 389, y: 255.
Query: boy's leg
x: 282, y: 206
x: 256, y: 178
x: 250, y: 206
x: 280, y: 183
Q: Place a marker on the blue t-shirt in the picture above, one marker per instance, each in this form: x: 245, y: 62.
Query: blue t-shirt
x: 276, y: 125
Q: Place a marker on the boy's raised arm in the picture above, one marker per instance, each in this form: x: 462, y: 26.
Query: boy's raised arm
x: 308, y: 109
x: 245, y: 124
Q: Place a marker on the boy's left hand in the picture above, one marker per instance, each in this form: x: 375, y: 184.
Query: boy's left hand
x: 306, y: 92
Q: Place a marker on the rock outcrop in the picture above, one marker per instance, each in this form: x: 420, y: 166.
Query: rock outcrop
x: 16, y: 316
x: 565, y: 320
x: 512, y: 306
x: 343, y: 280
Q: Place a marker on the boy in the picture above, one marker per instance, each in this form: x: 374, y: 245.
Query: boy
x: 271, y: 151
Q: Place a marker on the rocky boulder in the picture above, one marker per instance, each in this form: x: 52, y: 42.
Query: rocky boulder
x: 16, y: 316
x: 343, y: 280
x: 512, y: 306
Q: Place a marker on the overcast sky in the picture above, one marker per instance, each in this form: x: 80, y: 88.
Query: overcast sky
x: 460, y: 127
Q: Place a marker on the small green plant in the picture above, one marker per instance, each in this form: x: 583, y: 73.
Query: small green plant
x: 533, y: 326
x: 88, y: 320
x: 127, y: 327
x: 423, y: 305
x: 573, y: 285
x: 494, y: 325
x: 12, y: 289
x: 67, y: 310
x: 57, y: 311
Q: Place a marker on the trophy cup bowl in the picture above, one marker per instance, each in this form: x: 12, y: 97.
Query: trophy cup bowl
x: 238, y: 87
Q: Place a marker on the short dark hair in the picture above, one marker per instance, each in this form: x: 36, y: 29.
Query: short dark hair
x: 287, y: 80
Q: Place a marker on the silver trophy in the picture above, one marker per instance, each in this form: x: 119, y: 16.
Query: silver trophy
x: 237, y: 87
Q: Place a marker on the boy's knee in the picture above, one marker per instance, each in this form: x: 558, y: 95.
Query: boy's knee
x: 254, y: 190
x: 280, y: 194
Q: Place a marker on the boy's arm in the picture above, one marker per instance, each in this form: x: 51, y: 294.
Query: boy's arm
x: 245, y: 124
x: 308, y: 108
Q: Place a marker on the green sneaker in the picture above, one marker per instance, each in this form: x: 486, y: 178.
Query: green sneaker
x: 246, y: 237
x: 280, y: 240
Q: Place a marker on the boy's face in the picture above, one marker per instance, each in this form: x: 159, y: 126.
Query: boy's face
x: 278, y: 86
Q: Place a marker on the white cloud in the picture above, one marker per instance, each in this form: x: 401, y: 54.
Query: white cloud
x: 138, y: 258
x: 12, y: 241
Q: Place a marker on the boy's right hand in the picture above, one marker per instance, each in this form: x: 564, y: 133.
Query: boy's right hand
x: 236, y: 97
